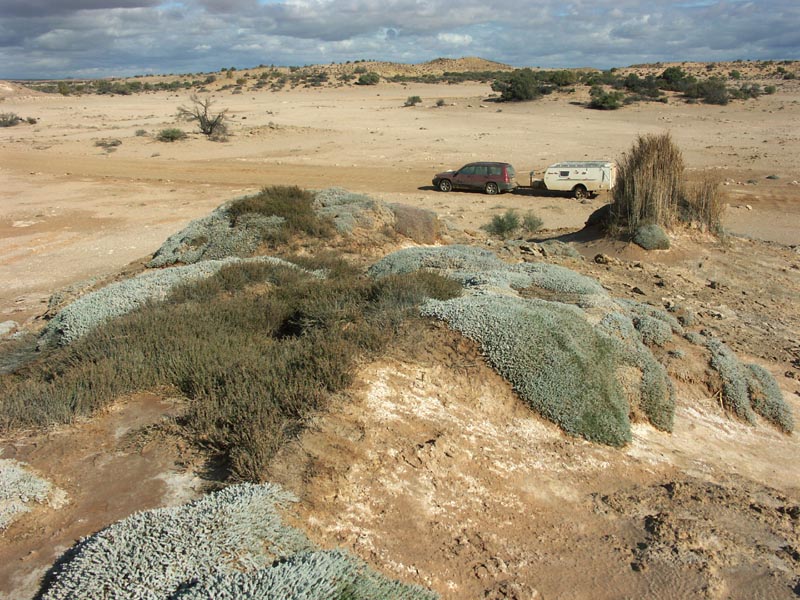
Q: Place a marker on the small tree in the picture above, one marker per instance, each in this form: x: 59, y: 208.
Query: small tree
x: 210, y: 124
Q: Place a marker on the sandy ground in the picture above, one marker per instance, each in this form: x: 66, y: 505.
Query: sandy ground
x: 430, y: 468
x: 71, y: 210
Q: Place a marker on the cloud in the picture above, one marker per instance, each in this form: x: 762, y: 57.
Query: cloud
x: 455, y: 39
x: 56, y: 38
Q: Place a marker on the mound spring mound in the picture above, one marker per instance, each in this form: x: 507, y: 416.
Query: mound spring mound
x: 564, y: 344
x: 228, y: 544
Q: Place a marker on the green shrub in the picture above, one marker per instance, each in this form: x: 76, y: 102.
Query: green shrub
x: 531, y: 222
x: 9, y: 119
x: 172, y: 134
x: 603, y: 100
x: 651, y: 237
x: 290, y: 203
x: 504, y: 225
x: 770, y: 89
x: 520, y: 85
x: 253, y: 360
x: 560, y: 366
x: 734, y: 378
x: 440, y: 102
x: 412, y: 101
x: 370, y: 78
x: 766, y: 398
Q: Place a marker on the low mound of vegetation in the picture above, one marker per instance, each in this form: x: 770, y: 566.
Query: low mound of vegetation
x: 255, y: 348
x: 19, y: 488
x: 228, y: 544
x: 567, y: 347
x: 279, y: 214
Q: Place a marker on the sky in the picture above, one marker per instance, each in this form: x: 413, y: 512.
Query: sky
x: 102, y: 38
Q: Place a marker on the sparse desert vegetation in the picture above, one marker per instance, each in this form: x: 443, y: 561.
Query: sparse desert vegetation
x: 450, y: 409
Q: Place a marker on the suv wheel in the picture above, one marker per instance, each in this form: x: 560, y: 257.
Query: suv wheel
x: 491, y: 188
x: 445, y: 185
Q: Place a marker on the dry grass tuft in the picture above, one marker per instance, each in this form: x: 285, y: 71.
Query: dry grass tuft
x: 649, y: 184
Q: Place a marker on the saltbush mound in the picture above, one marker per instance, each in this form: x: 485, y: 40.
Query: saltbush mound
x: 228, y: 544
x: 350, y: 211
x: 18, y: 489
x: 767, y: 399
x: 651, y: 237
x: 116, y: 299
x: 749, y: 389
x: 558, y: 363
x: 546, y: 347
x: 735, y: 395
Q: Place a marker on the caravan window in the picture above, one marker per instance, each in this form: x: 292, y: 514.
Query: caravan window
x: 563, y: 173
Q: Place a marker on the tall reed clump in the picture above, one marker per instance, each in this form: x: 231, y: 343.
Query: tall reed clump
x: 703, y: 203
x: 649, y: 185
x: 255, y: 349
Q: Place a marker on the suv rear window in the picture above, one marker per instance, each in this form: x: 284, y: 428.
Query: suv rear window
x: 511, y: 172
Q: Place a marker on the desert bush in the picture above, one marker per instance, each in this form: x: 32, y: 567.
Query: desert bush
x: 412, y: 101
x: 290, y: 203
x: 703, y: 202
x: 649, y: 184
x: 766, y: 398
x: 505, y: 225
x: 9, y: 119
x: 253, y: 365
x: 734, y: 378
x: 603, y: 100
x: 418, y: 224
x: 141, y: 132
x: 171, y: 134
x: 349, y: 211
x: 560, y: 366
x: 531, y: 222
x: 108, y: 143
x: 770, y: 89
x: 246, y: 552
x: 520, y: 85
x: 370, y: 78
x: 19, y: 488
x: 651, y: 237
x: 210, y: 123
x: 440, y: 102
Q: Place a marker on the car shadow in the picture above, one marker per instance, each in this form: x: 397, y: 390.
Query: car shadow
x: 541, y: 193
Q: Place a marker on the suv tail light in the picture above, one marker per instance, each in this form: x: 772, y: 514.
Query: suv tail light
x: 505, y: 176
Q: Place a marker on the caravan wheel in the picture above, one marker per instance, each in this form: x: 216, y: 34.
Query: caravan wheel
x: 580, y: 192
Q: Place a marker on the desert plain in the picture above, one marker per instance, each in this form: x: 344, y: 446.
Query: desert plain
x: 431, y: 469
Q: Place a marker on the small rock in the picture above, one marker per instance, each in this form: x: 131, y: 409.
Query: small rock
x: 748, y: 207
x: 604, y: 259
x: 637, y: 290
x: 790, y: 375
x: 772, y: 177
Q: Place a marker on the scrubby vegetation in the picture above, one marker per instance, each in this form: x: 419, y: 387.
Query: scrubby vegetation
x: 748, y: 389
x: 211, y: 124
x: 651, y: 237
x: 171, y: 134
x: 504, y: 225
x: 652, y: 194
x: 9, y: 119
x: 244, y: 550
x: 19, y: 488
x: 412, y: 101
x: 255, y: 348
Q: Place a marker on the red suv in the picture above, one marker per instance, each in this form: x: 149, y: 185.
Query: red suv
x: 491, y: 177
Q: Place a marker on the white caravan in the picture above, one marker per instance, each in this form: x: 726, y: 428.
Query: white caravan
x: 583, y: 178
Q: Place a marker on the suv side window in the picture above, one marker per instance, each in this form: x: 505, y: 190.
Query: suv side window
x: 495, y: 170
x: 468, y: 170
x: 481, y: 170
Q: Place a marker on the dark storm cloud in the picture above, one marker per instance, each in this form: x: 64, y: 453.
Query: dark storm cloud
x: 72, y: 37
